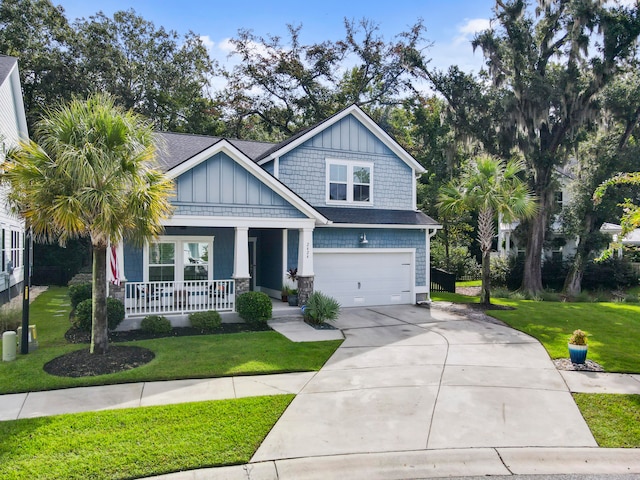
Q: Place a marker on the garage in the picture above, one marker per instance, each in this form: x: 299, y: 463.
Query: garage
x: 365, y: 277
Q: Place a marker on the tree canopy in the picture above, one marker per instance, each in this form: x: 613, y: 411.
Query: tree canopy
x: 91, y: 174
x: 547, y: 66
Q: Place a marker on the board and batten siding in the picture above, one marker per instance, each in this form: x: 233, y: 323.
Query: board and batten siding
x: 221, y: 187
x: 304, y: 168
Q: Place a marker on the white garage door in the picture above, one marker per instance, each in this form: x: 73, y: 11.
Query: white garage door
x: 364, y: 278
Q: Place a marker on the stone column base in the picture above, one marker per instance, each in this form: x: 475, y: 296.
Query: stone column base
x: 117, y: 291
x: 305, y: 289
x: 243, y: 285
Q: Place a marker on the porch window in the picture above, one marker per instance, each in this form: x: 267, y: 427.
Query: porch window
x: 162, y: 262
x: 349, y: 182
x: 196, y: 261
x: 179, y: 259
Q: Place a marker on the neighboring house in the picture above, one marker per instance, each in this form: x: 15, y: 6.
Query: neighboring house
x: 559, y: 245
x: 631, y: 239
x: 13, y: 127
x: 337, y: 202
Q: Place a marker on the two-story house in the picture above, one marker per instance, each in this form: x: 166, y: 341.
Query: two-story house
x: 13, y: 128
x: 337, y: 202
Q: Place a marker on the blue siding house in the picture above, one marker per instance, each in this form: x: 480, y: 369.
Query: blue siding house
x: 336, y: 202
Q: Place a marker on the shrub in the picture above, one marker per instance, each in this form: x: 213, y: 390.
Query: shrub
x: 155, y: 324
x: 507, y: 272
x: 254, y: 307
x: 115, y: 312
x: 631, y: 298
x: 320, y: 308
x: 460, y: 261
x: 610, y: 274
x: 79, y: 293
x: 205, y: 321
x: 10, y: 319
x: 83, y: 314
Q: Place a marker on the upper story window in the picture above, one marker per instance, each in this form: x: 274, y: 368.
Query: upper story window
x: 349, y: 182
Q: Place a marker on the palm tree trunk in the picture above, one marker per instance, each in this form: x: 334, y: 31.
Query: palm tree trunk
x: 485, y: 236
x: 99, y: 325
x: 485, y: 294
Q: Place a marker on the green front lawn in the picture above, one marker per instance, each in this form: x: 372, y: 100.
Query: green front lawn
x: 176, y: 357
x: 614, y: 420
x: 138, y: 442
x: 613, y: 328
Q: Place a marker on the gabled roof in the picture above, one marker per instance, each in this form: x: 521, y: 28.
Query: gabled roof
x: 227, y: 147
x: 301, y: 137
x: 6, y: 65
x: 176, y: 148
x: 369, y: 216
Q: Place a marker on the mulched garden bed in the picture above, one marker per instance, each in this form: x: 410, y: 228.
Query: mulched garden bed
x: 81, y: 363
x: 120, y: 358
x: 321, y: 326
x: 75, y: 335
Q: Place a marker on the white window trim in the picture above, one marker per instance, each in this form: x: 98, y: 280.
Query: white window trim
x: 350, y: 164
x: 179, y: 265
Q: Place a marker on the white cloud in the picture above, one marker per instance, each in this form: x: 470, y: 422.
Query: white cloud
x: 226, y: 46
x: 474, y: 25
x: 467, y: 30
x: 208, y: 43
x: 627, y: 3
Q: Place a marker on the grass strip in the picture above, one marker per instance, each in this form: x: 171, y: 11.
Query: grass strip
x: 249, y: 353
x: 138, y: 442
x: 614, y: 420
x: 613, y: 328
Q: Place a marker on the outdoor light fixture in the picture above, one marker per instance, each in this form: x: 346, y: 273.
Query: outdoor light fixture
x: 363, y: 239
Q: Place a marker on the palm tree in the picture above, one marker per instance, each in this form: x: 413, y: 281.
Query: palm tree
x: 92, y: 173
x: 489, y: 186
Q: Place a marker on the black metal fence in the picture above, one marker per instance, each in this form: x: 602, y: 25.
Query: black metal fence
x: 442, y: 281
x: 49, y: 276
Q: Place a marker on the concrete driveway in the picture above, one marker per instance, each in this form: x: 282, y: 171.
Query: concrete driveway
x: 408, y: 379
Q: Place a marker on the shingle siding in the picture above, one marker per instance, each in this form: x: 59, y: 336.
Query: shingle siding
x: 304, y: 168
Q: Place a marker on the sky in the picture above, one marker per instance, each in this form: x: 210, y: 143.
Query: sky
x: 450, y: 24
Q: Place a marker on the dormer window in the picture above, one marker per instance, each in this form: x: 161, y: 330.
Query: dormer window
x: 349, y: 182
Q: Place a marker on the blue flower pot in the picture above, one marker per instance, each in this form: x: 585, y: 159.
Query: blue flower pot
x: 578, y: 353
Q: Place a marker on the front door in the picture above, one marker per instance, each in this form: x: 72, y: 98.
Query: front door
x: 252, y: 263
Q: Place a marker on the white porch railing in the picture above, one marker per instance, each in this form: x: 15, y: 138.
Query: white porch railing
x: 161, y: 298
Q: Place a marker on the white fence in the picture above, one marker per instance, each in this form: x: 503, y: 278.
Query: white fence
x: 161, y: 298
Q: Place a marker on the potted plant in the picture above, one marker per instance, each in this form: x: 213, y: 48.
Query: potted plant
x: 578, y: 347
x: 284, y: 293
x: 293, y: 297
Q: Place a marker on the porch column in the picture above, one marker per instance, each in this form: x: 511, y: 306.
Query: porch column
x: 241, y: 261
x: 305, y: 265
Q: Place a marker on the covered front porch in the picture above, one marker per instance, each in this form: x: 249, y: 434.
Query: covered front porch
x: 194, y: 268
